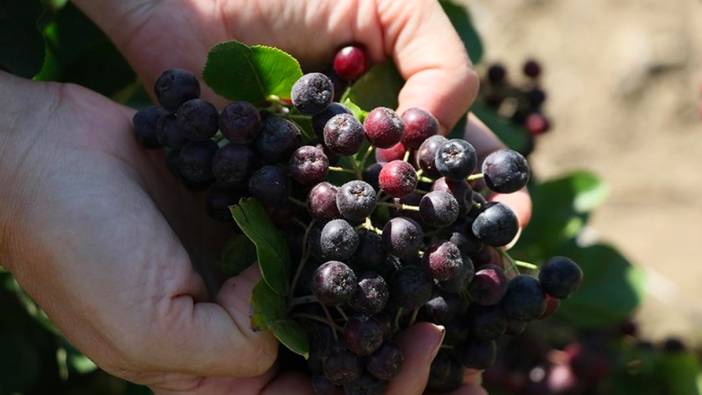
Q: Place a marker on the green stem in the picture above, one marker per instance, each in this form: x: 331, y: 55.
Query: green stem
x: 425, y: 179
x: 298, y: 202
x: 526, y: 265
x: 303, y: 259
x: 342, y: 313
x: 475, y: 177
x: 303, y: 300
x: 405, y: 207
x: 313, y: 317
x: 414, y: 316
x: 341, y: 170
x: 407, y: 155
x: 397, y: 318
x: 368, y: 153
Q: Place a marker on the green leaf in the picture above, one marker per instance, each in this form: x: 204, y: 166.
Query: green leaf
x: 268, y: 306
x: 612, y: 287
x: 239, y: 72
x: 239, y: 253
x: 271, y: 247
x: 680, y: 373
x: 21, y: 42
x: 357, y: 111
x: 512, y: 135
x: 379, y: 87
x: 461, y: 20
x: 561, y: 209
x: 293, y: 336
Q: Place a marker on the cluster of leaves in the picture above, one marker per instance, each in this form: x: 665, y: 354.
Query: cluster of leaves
x: 52, y: 40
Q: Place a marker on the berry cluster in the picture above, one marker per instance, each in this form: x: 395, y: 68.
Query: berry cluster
x: 386, y: 244
x: 521, y: 102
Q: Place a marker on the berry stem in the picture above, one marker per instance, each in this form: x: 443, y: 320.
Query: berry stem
x: 298, y: 202
x: 446, y: 347
x: 475, y: 177
x: 341, y: 170
x: 398, y: 206
x: 526, y: 265
x: 414, y: 316
x: 407, y: 155
x: 424, y: 179
x: 318, y: 319
x: 330, y: 320
x: 303, y: 300
x: 342, y: 313
x: 369, y: 225
x: 303, y: 259
x: 367, y: 155
x: 397, y: 318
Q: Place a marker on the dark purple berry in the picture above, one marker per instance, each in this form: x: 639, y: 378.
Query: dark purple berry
x: 312, y: 93
x: 350, y: 63
x: 339, y: 240
x: 321, y: 202
x: 386, y: 363
x: 240, y: 122
x: 456, y: 159
x: 398, y: 178
x: 479, y: 354
x: 372, y: 294
x: 319, y: 121
x: 270, y: 185
x: 442, y: 308
x: 426, y: 154
x: 341, y: 366
x: 195, y: 161
x: 459, y: 284
x: 532, y: 68
x: 505, y: 171
x: 515, y: 328
x: 363, y: 335
x: 461, y: 234
x: 496, y: 225
x: 487, y: 323
x: 537, y: 124
x: 536, y: 97
x: 459, y: 189
x: 366, y: 385
x: 217, y: 203
x: 278, y: 139
x: 371, y: 251
x: 560, y: 277
x: 497, y: 74
x: 198, y: 119
x: 174, y: 87
x: 356, y: 200
x: 457, y: 331
x: 169, y: 132
x: 444, y: 260
x: 402, y: 237
x: 489, y: 286
x: 524, y: 300
x: 384, y: 128
x: 371, y: 174
x: 322, y: 386
x: 146, y: 125
x: 233, y: 165
x: 343, y: 134
x: 446, y: 373
x: 385, y: 155
x: 411, y: 287
x: 552, y: 304
x: 333, y: 283
x: 419, y: 126
x: 308, y: 165
x: 438, y: 209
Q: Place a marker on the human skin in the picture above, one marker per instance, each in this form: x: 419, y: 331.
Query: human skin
x: 105, y: 240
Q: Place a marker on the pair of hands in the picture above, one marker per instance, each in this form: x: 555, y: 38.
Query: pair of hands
x: 106, y: 241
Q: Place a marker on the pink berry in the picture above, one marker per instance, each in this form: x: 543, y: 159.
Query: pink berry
x: 350, y: 63
x: 385, y: 155
x: 419, y: 126
x: 398, y: 178
x: 384, y: 128
x: 537, y: 124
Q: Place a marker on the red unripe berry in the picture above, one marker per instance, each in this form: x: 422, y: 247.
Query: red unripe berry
x: 537, y: 124
x: 350, y: 63
x: 396, y: 152
x: 419, y: 126
x: 383, y: 127
x: 398, y: 178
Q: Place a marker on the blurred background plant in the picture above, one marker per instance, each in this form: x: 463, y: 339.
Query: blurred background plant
x: 591, y: 346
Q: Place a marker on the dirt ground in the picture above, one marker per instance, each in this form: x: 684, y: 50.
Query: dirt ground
x: 623, y: 81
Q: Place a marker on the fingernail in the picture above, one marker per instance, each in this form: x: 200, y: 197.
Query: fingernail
x: 440, y: 340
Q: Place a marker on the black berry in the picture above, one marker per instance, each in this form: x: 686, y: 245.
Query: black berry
x: 532, y: 68
x: 366, y: 385
x: 333, y: 283
x: 456, y: 159
x: 277, y: 140
x: 308, y: 165
x: 487, y: 323
x: 341, y: 366
x: 442, y: 308
x: 496, y: 225
x: 385, y: 363
x: 411, y: 287
x: 371, y: 253
x: 524, y: 300
x: 198, y: 119
x: 240, y: 122
x: 372, y: 294
x: 312, y: 93
x: 169, y: 132
x: 233, y: 165
x: 446, y: 373
x: 270, y: 185
x: 339, y: 240
x: 384, y: 128
x: 438, y: 209
x: 426, y: 154
x: 402, y: 237
x: 480, y: 355
x: 146, y: 125
x: 497, y: 74
x: 319, y: 121
x: 356, y: 200
x: 217, y: 203
x: 195, y: 161
x: 560, y: 277
x: 505, y: 171
x: 363, y: 335
x: 174, y: 87
x: 343, y: 134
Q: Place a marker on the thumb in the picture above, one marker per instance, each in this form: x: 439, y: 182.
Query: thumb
x: 431, y: 57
